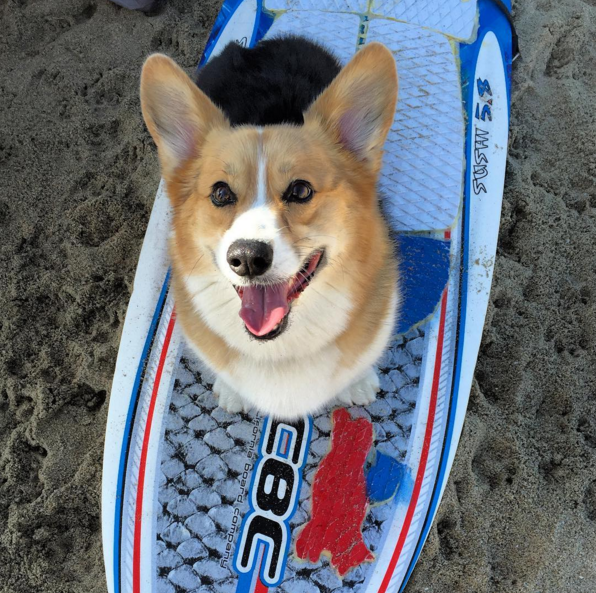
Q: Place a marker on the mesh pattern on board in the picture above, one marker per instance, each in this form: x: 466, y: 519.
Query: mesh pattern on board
x: 338, y: 32
x: 423, y: 162
x: 455, y: 18
x: 319, y: 5
x: 204, y: 456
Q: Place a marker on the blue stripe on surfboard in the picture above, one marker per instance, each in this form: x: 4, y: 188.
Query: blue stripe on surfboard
x: 127, y: 431
x: 496, y: 22
x: 225, y: 15
x: 263, y: 21
x: 424, y: 272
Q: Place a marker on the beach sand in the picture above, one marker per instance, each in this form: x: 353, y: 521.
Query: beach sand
x: 79, y: 174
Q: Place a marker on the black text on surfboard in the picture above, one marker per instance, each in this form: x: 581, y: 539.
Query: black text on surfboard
x: 273, y: 498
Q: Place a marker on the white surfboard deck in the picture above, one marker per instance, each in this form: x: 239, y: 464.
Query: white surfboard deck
x: 186, y: 486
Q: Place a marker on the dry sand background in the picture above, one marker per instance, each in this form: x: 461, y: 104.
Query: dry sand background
x: 78, y: 176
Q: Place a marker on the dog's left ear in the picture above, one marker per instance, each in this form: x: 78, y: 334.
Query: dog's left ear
x: 178, y: 114
x: 358, y: 107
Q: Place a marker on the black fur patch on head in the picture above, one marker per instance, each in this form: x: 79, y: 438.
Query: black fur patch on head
x: 272, y: 83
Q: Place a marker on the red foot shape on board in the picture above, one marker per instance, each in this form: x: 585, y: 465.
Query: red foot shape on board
x: 339, y: 500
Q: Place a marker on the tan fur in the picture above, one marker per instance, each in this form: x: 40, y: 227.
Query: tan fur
x: 344, y: 216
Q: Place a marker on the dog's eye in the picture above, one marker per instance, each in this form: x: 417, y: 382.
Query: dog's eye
x: 222, y: 195
x: 298, y: 191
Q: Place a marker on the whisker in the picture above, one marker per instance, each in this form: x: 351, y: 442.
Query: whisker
x: 196, y: 264
x: 314, y: 289
x: 221, y: 305
x: 282, y: 228
x: 340, y: 263
x: 206, y: 287
x: 309, y: 237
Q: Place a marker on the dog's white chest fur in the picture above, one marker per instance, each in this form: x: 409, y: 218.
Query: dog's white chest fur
x: 266, y: 377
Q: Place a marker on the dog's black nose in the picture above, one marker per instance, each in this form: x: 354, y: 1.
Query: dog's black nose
x: 250, y: 258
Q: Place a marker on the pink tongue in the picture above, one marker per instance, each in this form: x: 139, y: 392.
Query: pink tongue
x: 263, y: 307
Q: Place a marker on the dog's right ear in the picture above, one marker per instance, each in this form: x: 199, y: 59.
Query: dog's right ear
x: 358, y: 107
x: 177, y: 113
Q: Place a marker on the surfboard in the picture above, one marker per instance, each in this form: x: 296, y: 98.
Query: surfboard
x: 197, y: 499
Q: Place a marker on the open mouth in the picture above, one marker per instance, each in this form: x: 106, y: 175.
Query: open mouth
x: 265, y: 308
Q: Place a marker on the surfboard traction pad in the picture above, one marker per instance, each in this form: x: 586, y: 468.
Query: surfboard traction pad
x: 207, y: 458
x: 205, y: 454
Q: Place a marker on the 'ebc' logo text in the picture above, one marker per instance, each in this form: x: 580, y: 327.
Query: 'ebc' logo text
x: 273, y: 499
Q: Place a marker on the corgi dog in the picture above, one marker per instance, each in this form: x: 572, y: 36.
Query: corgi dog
x: 284, y: 273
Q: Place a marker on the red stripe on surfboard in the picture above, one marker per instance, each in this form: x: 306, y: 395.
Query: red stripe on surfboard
x: 136, y: 557
x: 424, y: 454
x: 260, y: 587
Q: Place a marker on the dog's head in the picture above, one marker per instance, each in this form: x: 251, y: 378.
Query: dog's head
x: 278, y: 235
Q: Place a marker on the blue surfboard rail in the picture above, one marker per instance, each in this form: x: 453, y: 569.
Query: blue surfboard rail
x: 491, y: 18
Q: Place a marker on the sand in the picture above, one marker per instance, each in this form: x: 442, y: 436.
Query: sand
x: 79, y: 174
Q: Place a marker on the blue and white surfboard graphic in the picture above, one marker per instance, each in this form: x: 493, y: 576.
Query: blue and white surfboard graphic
x: 196, y: 499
